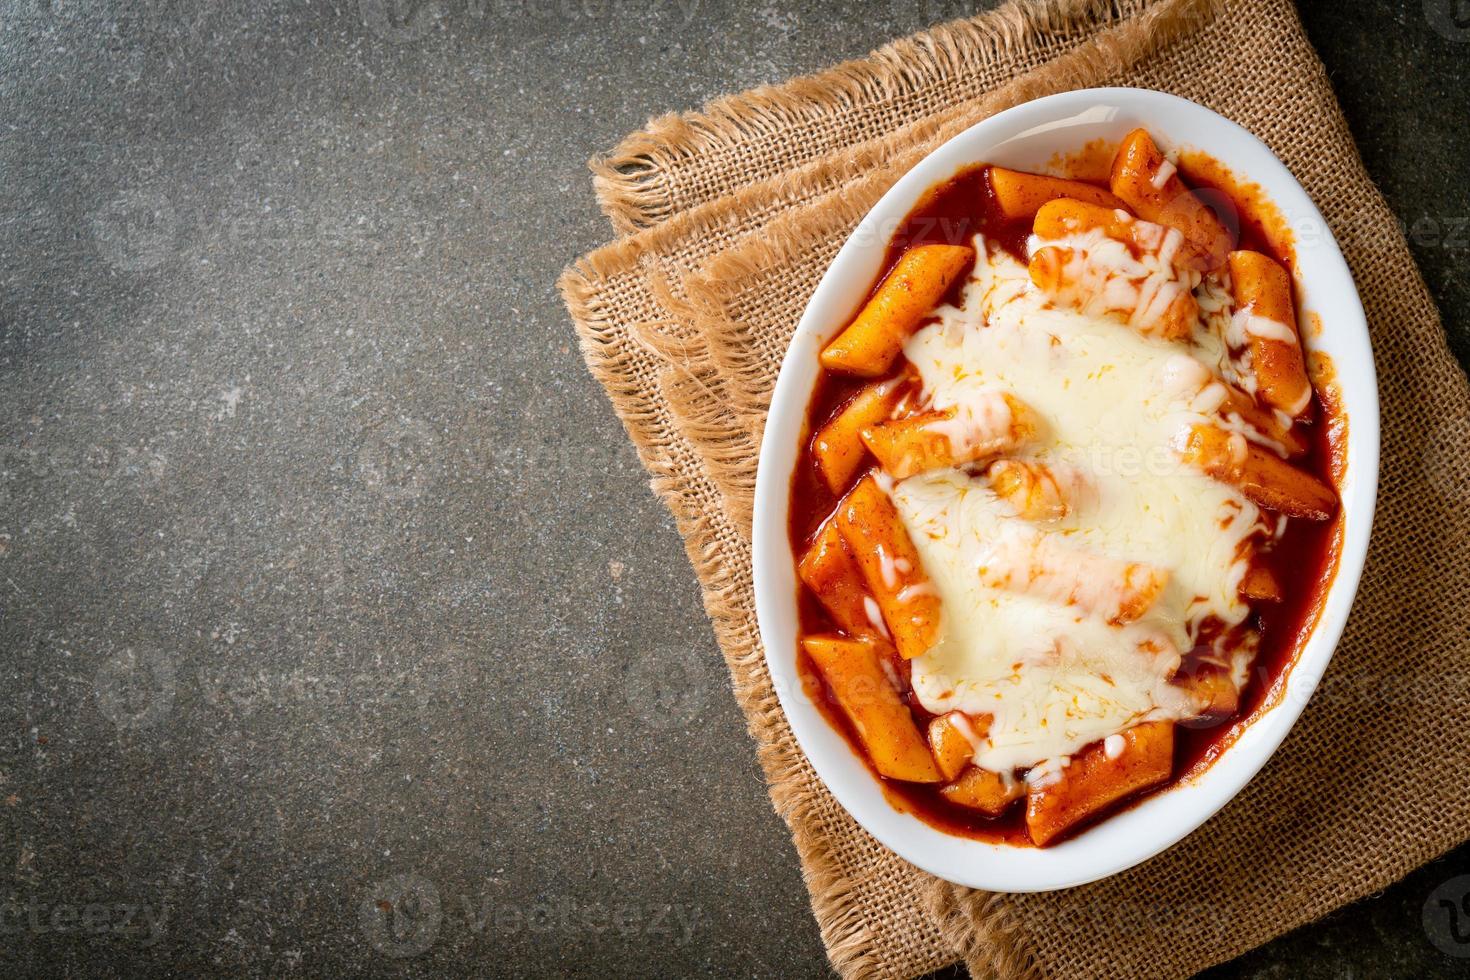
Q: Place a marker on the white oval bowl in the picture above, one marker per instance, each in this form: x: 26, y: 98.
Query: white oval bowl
x: 1026, y: 138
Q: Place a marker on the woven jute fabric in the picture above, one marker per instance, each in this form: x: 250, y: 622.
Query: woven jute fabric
x: 732, y: 214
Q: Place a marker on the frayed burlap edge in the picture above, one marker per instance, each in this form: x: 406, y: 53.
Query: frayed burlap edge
x: 982, y: 930
x: 631, y: 181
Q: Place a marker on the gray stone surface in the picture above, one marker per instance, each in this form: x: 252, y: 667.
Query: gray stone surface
x: 326, y: 572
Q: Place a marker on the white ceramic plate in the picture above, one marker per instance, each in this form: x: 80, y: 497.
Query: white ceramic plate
x: 1025, y: 138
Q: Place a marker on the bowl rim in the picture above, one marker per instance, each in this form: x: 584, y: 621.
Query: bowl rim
x: 1324, y: 285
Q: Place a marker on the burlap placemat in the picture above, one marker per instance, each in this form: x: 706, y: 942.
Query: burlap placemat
x: 738, y: 210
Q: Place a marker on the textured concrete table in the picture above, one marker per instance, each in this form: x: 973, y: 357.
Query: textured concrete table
x: 326, y: 571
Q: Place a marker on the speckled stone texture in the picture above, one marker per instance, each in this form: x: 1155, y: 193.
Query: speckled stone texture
x: 339, y: 631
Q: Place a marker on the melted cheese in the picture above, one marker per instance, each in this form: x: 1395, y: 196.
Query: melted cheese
x: 1056, y: 675
x: 1166, y: 170
x: 977, y: 422
x: 1245, y: 324
x: 1102, y: 275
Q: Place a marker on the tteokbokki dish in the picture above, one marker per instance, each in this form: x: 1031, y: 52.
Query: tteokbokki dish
x: 1065, y: 507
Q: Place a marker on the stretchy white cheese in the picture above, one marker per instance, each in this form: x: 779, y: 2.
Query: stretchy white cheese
x: 1066, y: 632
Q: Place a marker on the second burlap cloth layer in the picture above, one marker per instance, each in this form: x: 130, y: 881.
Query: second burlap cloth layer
x: 731, y: 216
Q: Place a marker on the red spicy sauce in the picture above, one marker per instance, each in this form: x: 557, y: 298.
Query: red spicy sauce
x: 1305, y: 559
